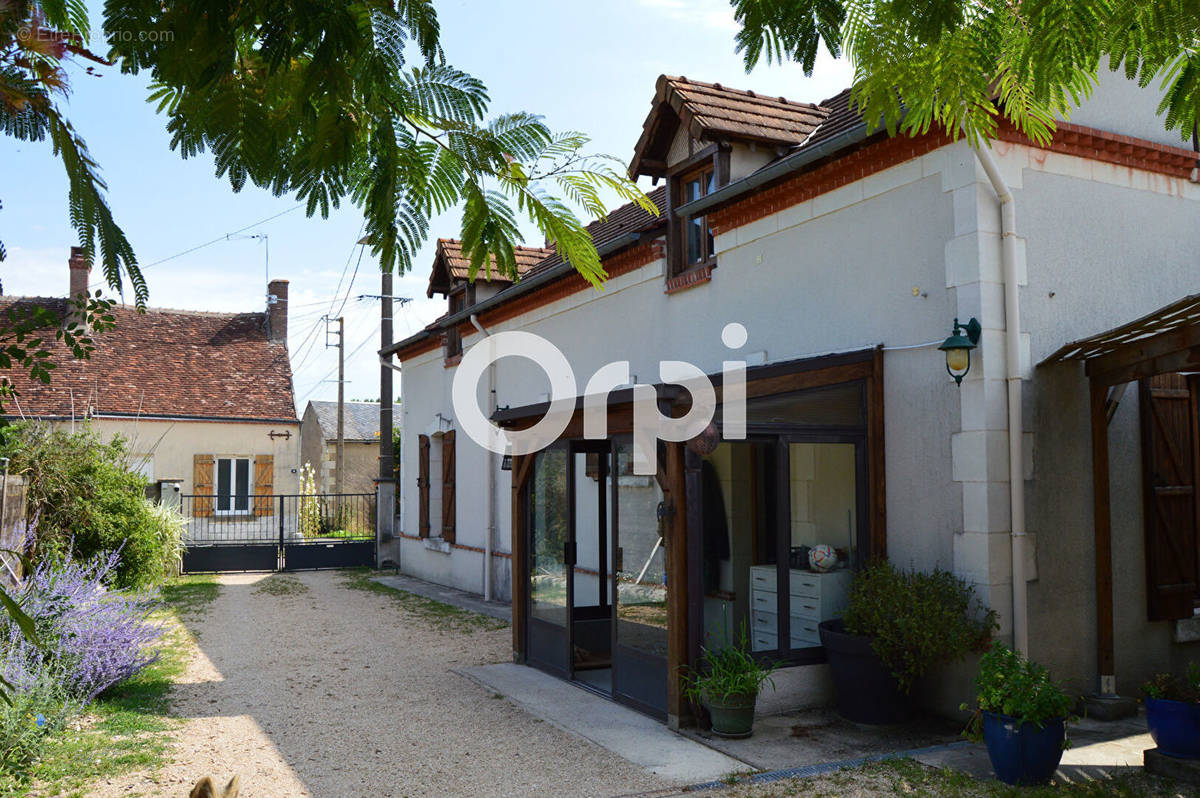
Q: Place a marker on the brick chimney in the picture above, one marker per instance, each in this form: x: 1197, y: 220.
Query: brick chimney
x: 81, y: 272
x: 277, y: 311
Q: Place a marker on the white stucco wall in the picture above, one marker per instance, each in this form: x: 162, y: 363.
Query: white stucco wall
x: 166, y: 448
x: 892, y: 259
x: 1105, y: 245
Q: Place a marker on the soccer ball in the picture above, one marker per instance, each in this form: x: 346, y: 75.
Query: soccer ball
x: 822, y: 558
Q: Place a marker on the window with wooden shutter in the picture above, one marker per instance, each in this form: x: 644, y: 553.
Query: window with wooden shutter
x: 202, y: 484
x: 1169, y: 414
x: 423, y: 485
x: 448, y: 487
x: 264, y: 483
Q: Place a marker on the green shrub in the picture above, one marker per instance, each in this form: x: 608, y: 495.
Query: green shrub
x: 728, y: 672
x: 1009, y: 684
x: 916, y: 621
x: 1176, y: 688
x: 87, y: 501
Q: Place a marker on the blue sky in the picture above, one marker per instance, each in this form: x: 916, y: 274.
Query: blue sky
x: 583, y: 66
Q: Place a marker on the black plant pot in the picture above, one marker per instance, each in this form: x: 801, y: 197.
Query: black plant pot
x: 867, y: 692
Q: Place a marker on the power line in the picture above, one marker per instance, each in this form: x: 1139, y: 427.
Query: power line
x: 353, y: 277
x: 370, y: 334
x: 346, y: 267
x: 310, y: 340
x: 217, y: 240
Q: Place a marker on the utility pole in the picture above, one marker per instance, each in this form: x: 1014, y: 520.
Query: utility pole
x: 340, y: 481
x: 385, y: 508
x: 339, y: 463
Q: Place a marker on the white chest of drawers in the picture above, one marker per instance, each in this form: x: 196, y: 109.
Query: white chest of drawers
x: 812, y: 597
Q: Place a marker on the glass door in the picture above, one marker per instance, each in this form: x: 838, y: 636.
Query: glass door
x: 549, y: 536
x: 639, y: 564
x: 589, y: 575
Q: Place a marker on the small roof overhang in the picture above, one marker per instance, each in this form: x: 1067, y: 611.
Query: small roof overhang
x: 1165, y: 341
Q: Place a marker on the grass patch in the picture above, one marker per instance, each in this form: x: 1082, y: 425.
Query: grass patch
x: 911, y: 779
x: 128, y: 728
x: 438, y: 615
x: 190, y: 594
x: 281, y: 585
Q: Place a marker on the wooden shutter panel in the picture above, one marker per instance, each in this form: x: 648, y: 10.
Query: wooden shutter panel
x: 448, y: 487
x: 202, y: 484
x: 264, y: 483
x: 1169, y: 460
x: 423, y: 485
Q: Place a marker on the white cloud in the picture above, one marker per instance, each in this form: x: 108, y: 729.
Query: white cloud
x: 715, y: 14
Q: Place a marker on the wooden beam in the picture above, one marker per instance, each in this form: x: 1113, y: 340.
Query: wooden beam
x: 694, y: 557
x: 1131, y: 354
x: 875, y: 459
x: 677, y: 593
x: 522, y: 466
x: 815, y: 378
x: 1167, y: 363
x: 1102, y: 519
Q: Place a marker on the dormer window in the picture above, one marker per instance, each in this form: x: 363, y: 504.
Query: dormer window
x: 691, y: 254
x: 697, y: 236
x: 458, y: 303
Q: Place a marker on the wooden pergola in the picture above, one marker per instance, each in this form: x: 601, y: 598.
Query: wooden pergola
x: 1166, y: 341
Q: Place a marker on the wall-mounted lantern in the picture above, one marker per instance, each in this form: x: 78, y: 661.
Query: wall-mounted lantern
x: 958, y: 346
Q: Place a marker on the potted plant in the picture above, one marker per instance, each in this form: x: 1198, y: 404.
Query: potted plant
x: 1173, y: 712
x: 896, y: 627
x: 1022, y: 716
x: 727, y: 685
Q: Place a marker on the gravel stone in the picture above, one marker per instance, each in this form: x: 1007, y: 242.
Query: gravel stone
x: 331, y: 691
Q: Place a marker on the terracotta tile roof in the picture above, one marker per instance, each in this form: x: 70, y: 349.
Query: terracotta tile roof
x: 712, y: 112
x: 629, y: 218
x: 164, y: 363
x: 840, y: 118
x: 450, y: 263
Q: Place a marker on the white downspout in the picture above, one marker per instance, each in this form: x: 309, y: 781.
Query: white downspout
x: 492, y: 465
x: 1012, y: 354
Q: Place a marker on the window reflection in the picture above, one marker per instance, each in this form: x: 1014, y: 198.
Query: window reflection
x: 764, y: 501
x: 548, y: 508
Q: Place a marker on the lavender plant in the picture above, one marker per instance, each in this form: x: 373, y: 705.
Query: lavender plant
x: 41, y: 709
x: 91, y: 636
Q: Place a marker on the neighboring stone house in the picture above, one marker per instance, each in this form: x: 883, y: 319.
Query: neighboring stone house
x: 318, y: 445
x: 846, y: 256
x: 202, y: 398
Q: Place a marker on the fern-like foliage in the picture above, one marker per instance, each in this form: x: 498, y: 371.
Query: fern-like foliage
x: 962, y: 65
x: 37, y: 42
x: 317, y: 99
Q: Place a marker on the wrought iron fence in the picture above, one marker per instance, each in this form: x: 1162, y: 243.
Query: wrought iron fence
x: 279, y: 519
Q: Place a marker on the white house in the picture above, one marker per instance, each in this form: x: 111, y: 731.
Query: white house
x: 847, y: 257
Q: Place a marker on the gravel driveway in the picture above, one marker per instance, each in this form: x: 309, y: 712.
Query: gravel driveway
x: 306, y: 687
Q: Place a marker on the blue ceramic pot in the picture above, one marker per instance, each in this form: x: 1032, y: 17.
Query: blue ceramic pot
x: 1023, y: 753
x: 1175, y: 727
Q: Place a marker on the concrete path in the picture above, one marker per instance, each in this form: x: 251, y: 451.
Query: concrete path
x: 630, y: 734
x: 448, y: 595
x: 1098, y: 749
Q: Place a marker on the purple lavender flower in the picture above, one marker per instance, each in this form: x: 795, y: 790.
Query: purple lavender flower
x: 92, y: 637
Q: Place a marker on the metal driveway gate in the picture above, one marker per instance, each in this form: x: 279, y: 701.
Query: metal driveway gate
x: 278, y: 533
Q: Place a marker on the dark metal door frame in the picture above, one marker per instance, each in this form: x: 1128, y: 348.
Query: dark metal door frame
x: 603, y: 448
